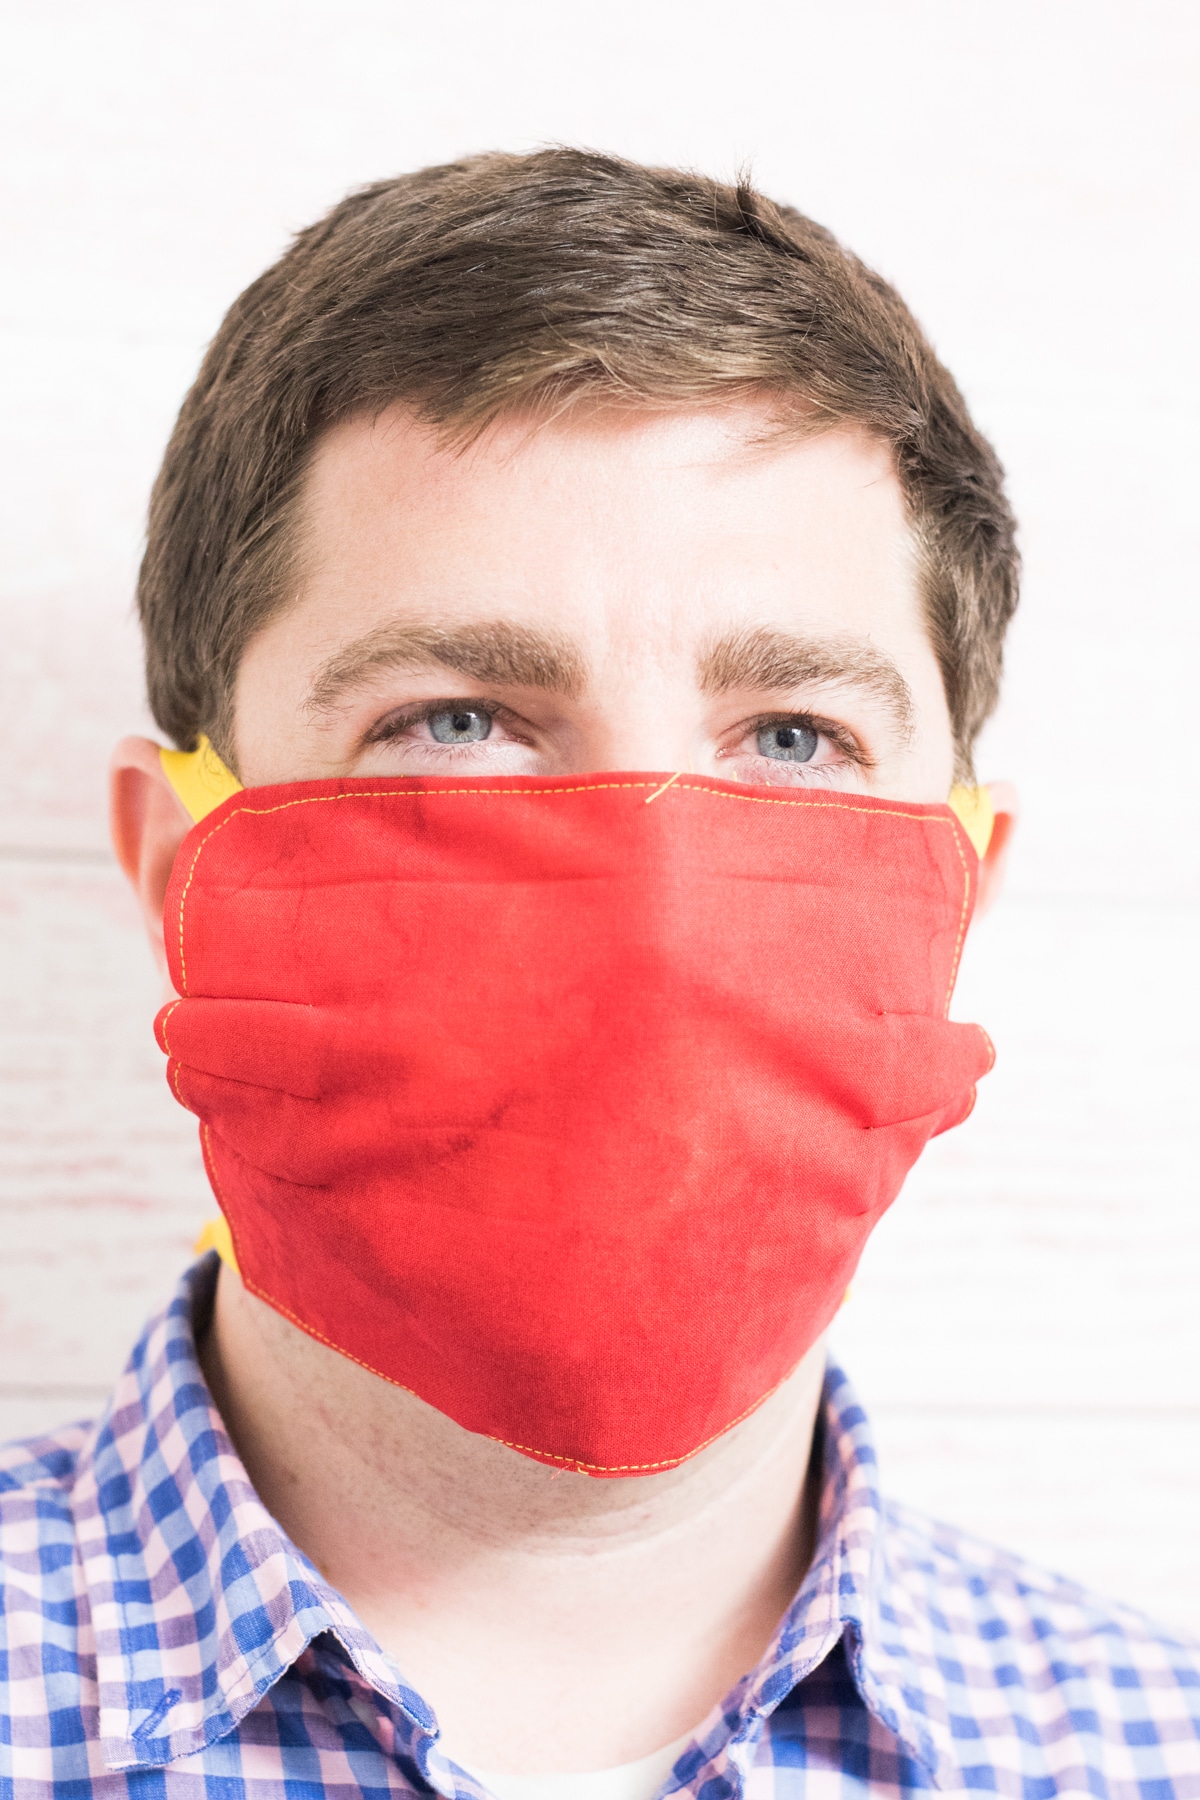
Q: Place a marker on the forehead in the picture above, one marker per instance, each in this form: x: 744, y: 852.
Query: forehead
x: 599, y: 508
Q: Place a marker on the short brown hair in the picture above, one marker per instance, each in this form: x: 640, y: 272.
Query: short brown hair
x: 505, y: 282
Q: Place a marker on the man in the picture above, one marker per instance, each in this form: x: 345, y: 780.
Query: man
x: 575, y: 590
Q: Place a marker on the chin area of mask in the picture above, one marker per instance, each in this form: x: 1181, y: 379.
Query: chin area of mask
x: 638, y: 1780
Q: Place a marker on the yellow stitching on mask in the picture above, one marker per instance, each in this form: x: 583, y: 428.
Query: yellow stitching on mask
x: 663, y: 788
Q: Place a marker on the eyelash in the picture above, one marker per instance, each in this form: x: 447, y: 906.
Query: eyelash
x: 395, y: 724
x: 843, y: 740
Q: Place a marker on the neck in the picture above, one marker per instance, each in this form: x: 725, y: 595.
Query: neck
x: 553, y: 1622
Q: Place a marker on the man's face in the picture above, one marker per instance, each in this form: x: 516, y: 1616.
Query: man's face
x: 619, y: 590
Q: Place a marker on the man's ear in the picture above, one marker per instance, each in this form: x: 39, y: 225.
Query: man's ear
x: 148, y: 823
x: 991, y: 869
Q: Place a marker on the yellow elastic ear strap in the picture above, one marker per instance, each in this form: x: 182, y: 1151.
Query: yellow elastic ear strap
x: 202, y: 781
x: 200, y: 778
x: 214, y: 1235
x: 972, y: 806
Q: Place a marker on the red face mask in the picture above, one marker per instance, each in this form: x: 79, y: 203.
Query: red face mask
x: 567, y: 1104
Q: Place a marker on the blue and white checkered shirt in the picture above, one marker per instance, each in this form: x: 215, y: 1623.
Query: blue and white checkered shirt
x: 160, y: 1636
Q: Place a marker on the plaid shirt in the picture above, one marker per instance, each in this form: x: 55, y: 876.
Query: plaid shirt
x: 160, y: 1636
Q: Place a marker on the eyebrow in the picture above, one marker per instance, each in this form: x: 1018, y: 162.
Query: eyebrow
x: 492, y: 651
x: 767, y: 658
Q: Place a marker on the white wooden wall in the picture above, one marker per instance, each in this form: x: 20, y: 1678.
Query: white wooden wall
x: 1026, y: 1324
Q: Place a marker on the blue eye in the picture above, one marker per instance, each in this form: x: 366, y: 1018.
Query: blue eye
x: 459, y: 725
x: 787, y: 743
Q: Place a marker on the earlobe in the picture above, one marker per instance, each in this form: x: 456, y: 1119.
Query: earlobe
x: 992, y: 863
x: 148, y: 823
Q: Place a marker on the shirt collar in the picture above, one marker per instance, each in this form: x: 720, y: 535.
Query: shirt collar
x: 852, y: 1592
x: 199, y: 1602
x: 848, y: 1596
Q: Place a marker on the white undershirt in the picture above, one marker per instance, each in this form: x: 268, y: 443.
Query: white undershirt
x: 638, y: 1780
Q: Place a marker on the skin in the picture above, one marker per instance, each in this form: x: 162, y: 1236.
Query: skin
x: 615, y: 591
